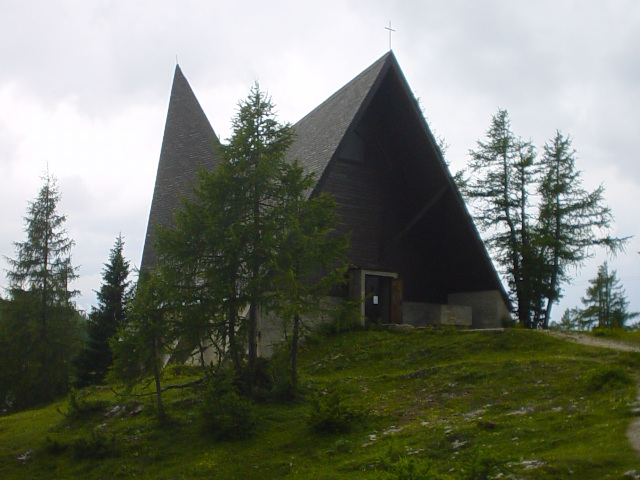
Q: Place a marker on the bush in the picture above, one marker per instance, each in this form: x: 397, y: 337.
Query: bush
x: 95, y: 448
x: 225, y: 414
x: 609, y: 378
x: 330, y: 415
x: 77, y: 407
x: 346, y: 319
x: 54, y: 446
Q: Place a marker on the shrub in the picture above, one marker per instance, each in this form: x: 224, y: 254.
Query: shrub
x: 79, y: 408
x: 54, y: 446
x: 330, y: 415
x: 609, y: 378
x: 225, y: 414
x: 95, y: 448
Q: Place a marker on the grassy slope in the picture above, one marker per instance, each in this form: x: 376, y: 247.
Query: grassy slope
x: 443, y: 404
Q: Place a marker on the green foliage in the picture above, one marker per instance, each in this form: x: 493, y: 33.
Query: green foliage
x: 224, y: 413
x: 95, y: 359
x: 40, y: 330
x: 329, y: 414
x: 538, y: 220
x: 96, y: 447
x: 609, y: 378
x: 54, y: 446
x: 251, y: 237
x: 79, y: 407
x: 140, y: 347
x: 605, y: 305
x: 551, y: 427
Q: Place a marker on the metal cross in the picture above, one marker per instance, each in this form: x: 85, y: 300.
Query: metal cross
x: 391, y: 30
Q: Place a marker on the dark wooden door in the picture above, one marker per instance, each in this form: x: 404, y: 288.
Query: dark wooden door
x: 377, y: 306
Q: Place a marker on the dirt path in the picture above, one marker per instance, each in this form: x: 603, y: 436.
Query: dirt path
x: 633, y: 432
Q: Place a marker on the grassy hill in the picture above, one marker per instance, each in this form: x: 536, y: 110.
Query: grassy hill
x: 439, y: 404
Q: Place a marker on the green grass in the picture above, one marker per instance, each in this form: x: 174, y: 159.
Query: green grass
x: 440, y: 404
x: 631, y: 337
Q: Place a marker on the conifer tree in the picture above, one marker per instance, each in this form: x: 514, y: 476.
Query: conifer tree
x: 95, y: 360
x: 571, y: 221
x: 249, y: 238
x: 40, y: 332
x: 501, y: 171
x: 311, y: 257
x: 538, y: 220
x: 142, y: 345
x: 606, y: 304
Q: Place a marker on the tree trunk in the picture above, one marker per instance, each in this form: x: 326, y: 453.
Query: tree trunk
x: 252, y: 331
x: 156, y: 375
x: 294, y: 352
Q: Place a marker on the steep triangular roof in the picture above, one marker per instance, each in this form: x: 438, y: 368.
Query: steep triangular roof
x: 188, y: 143
x: 320, y: 133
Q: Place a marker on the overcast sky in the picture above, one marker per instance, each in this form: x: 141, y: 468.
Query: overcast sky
x: 84, y: 89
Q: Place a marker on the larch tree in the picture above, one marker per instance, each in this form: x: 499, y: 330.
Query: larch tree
x: 245, y: 243
x: 501, y: 170
x: 537, y: 219
x: 40, y: 327
x: 311, y: 258
x: 141, y: 346
x: 571, y: 222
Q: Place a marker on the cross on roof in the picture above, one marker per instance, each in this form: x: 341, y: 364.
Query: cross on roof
x: 391, y: 30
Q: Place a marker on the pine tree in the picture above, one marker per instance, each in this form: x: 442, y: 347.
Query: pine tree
x: 40, y: 327
x: 95, y: 360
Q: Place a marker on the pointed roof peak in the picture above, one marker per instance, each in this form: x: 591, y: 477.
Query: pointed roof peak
x: 189, y: 143
x: 320, y: 132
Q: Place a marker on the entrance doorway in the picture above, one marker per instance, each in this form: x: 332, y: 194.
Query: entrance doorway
x: 378, y: 294
x: 377, y: 304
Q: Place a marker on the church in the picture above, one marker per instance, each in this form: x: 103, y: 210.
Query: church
x: 416, y: 256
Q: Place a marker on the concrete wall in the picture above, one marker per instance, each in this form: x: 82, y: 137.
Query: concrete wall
x: 426, y: 314
x: 488, y: 307
x: 272, y: 329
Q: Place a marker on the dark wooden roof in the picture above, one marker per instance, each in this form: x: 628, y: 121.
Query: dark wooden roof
x: 381, y: 92
x: 188, y: 143
x: 320, y: 133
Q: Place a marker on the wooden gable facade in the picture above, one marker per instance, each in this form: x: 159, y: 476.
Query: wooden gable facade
x: 416, y: 256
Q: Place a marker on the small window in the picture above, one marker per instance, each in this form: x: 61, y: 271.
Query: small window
x: 354, y: 149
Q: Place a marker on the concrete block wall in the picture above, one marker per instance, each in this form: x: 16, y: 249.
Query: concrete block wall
x: 272, y: 329
x: 426, y: 314
x: 488, y: 307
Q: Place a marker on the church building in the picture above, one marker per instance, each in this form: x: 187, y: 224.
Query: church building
x: 415, y: 255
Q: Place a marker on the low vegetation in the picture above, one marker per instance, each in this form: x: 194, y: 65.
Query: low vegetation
x: 435, y: 404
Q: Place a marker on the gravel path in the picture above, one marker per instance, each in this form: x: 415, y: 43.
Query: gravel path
x: 633, y: 432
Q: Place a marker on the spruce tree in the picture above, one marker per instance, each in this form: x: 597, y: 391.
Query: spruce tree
x: 606, y: 305
x: 40, y: 332
x: 106, y: 318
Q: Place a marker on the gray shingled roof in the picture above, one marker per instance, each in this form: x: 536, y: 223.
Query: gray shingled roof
x: 188, y: 143
x: 318, y: 134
